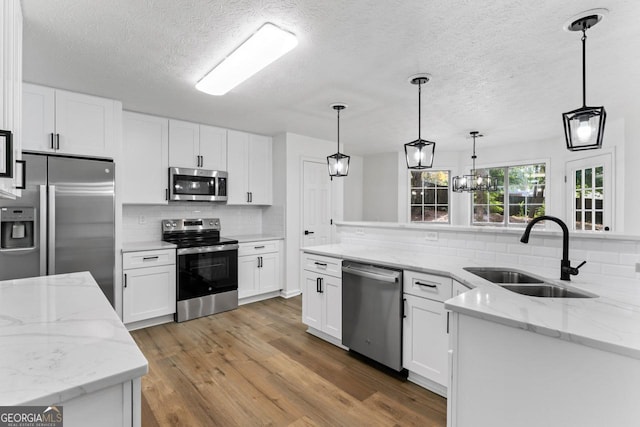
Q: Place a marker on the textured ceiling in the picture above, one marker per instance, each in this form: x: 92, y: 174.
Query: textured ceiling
x: 506, y: 68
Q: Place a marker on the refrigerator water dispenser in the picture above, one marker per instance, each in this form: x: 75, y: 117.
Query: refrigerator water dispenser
x: 17, y: 228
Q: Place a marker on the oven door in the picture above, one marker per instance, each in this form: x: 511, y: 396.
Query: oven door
x: 207, y: 270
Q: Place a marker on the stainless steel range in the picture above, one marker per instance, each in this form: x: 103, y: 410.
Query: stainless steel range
x: 207, y: 267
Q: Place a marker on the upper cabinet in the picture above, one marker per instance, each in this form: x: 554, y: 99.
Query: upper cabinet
x: 61, y: 122
x: 249, y: 166
x: 145, y: 159
x: 197, y: 146
x: 11, y: 88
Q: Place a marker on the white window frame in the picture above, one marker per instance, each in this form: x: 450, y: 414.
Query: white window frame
x: 449, y: 193
x: 507, y: 164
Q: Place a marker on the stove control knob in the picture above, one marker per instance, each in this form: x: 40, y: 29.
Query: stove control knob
x: 167, y: 225
x: 210, y: 222
x: 173, y: 224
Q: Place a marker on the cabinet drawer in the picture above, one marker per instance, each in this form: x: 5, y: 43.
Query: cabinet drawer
x: 430, y: 286
x: 257, y: 248
x: 322, y: 264
x: 148, y: 258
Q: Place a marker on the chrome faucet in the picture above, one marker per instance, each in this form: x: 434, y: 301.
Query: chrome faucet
x: 566, y: 271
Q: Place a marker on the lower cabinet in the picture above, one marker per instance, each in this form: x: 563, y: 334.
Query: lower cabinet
x: 149, y: 285
x: 259, y: 265
x: 322, y: 294
x: 426, y: 329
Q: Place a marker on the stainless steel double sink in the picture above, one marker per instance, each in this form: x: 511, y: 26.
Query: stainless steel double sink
x: 525, y: 284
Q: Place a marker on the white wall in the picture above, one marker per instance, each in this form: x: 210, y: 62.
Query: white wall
x: 297, y: 148
x: 353, y: 190
x: 273, y: 217
x: 380, y: 185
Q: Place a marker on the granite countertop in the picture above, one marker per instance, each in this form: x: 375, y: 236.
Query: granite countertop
x: 610, y: 322
x: 146, y: 246
x: 244, y: 238
x: 60, y: 339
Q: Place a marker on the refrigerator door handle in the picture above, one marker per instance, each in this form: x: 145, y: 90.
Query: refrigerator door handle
x: 52, y: 229
x: 43, y: 229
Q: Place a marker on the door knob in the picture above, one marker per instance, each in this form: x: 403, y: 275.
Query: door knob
x: 307, y: 232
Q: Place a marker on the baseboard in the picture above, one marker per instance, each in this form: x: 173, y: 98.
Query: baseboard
x: 290, y: 294
x: 260, y: 297
x: 324, y: 336
x: 149, y: 322
x: 428, y: 384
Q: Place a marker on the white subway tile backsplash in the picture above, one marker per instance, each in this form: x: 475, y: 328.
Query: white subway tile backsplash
x: 604, y: 257
x: 519, y: 248
x: 618, y: 270
x: 530, y: 260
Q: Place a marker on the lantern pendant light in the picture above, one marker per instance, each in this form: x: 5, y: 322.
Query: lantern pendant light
x: 473, y: 182
x: 420, y: 152
x: 584, y: 127
x: 338, y: 163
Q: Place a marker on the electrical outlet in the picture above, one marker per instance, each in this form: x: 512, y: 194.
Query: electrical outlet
x: 142, y: 219
x: 359, y: 232
x: 431, y: 235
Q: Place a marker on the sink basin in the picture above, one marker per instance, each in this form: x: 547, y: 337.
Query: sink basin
x: 502, y: 275
x: 546, y: 291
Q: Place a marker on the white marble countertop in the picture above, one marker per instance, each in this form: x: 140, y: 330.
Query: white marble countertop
x: 244, y: 238
x: 60, y: 339
x: 610, y: 322
x: 146, y: 246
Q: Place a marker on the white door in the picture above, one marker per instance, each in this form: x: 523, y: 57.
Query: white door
x: 184, y: 144
x: 149, y: 292
x: 590, y: 193
x: 84, y: 124
x: 145, y: 158
x: 38, y: 105
x: 316, y: 202
x: 213, y: 148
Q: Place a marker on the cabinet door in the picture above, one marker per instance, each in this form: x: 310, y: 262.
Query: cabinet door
x: 332, y: 306
x: 259, y: 170
x: 148, y: 293
x: 237, y: 166
x: 184, y: 144
x: 85, y: 124
x: 425, y: 339
x: 269, y: 272
x: 38, y: 106
x: 145, y: 158
x: 312, y: 301
x: 213, y: 148
x: 248, y: 280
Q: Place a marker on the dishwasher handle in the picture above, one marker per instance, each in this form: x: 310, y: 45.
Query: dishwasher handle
x: 391, y: 276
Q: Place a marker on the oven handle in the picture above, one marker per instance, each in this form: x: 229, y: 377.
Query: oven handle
x: 205, y: 249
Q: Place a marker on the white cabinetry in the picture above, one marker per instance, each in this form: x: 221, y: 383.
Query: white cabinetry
x: 145, y: 158
x: 57, y: 121
x: 322, y: 296
x: 197, y: 146
x: 11, y: 88
x: 149, y: 290
x: 259, y: 265
x: 459, y: 288
x: 250, y: 171
x: 425, y: 330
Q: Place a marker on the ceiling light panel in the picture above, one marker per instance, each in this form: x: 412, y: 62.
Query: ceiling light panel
x: 261, y: 49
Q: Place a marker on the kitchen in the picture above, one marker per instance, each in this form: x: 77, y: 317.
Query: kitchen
x: 136, y: 66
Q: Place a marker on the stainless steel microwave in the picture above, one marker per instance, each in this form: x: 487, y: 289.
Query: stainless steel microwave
x: 199, y: 185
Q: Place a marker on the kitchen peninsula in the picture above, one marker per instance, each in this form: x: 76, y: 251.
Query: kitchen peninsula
x: 63, y: 344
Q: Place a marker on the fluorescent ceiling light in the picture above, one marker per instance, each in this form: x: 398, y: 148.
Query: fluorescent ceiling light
x: 261, y: 49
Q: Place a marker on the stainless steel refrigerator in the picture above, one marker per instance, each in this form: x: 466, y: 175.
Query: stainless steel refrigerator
x: 63, y: 223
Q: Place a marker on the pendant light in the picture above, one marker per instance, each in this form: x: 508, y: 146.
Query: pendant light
x: 473, y: 182
x: 419, y: 153
x: 338, y: 163
x: 584, y: 127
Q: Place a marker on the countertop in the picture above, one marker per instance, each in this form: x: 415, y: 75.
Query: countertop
x: 244, y: 238
x: 60, y: 339
x: 146, y: 246
x: 610, y: 322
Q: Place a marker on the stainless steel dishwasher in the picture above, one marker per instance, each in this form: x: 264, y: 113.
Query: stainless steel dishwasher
x: 372, y: 312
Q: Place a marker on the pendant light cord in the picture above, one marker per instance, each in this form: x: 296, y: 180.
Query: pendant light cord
x: 338, y: 132
x: 584, y: 67
x: 419, y: 108
x: 473, y: 158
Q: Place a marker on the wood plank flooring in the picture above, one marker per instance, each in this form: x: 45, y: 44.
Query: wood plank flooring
x: 257, y: 366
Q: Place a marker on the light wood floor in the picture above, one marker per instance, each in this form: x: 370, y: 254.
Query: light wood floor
x: 257, y: 366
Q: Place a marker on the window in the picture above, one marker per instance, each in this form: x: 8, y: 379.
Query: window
x: 590, y: 195
x: 429, y: 199
x: 520, y: 196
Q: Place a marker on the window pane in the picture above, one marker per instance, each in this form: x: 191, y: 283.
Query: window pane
x: 598, y: 219
x: 416, y: 179
x: 599, y: 176
x: 416, y: 196
x: 429, y: 197
x: 480, y: 214
x: 443, y: 214
x: 587, y: 221
x: 588, y: 177
x: 443, y: 196
x: 429, y: 213
x: 416, y: 213
x: 578, y: 199
x: 599, y: 204
x: 587, y: 202
x: 578, y: 220
x: 496, y: 213
x: 578, y: 179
